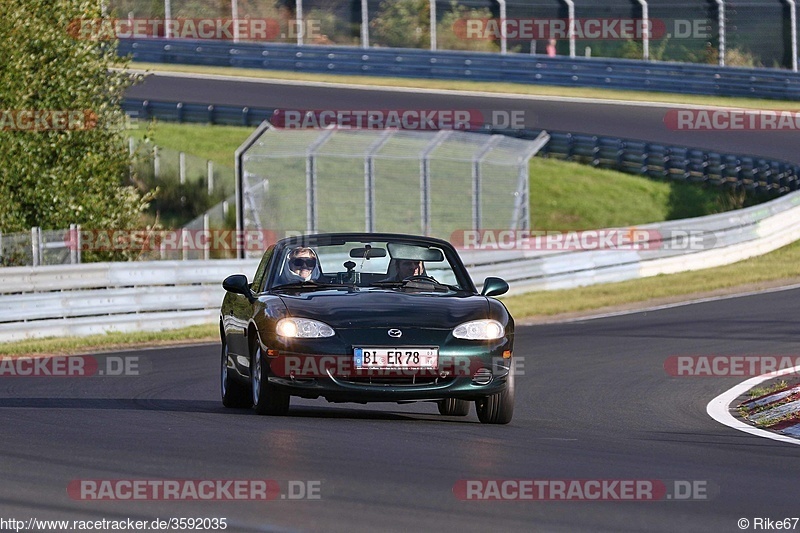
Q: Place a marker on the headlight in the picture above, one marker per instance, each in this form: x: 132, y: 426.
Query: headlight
x: 303, y: 328
x: 479, y: 330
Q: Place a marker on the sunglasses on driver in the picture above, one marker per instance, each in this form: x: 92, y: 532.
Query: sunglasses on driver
x: 307, y: 263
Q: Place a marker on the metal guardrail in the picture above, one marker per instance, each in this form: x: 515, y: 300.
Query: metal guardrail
x: 225, y: 115
x: 684, y: 78
x: 92, y: 298
x: 660, y: 161
x: 97, y: 297
x: 632, y: 156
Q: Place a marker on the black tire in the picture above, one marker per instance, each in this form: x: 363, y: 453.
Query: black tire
x: 266, y: 398
x: 453, y: 407
x: 497, y: 408
x: 234, y: 394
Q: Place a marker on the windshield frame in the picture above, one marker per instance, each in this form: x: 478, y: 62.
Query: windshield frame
x: 283, y: 246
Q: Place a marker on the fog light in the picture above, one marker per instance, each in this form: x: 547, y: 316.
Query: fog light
x: 482, y: 377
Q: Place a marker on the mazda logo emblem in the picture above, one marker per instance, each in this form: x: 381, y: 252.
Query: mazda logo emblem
x: 395, y: 333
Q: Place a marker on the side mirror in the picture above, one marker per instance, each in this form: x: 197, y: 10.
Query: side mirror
x: 494, y: 287
x: 237, y: 283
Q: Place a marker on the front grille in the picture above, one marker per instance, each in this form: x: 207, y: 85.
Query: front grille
x: 398, y: 381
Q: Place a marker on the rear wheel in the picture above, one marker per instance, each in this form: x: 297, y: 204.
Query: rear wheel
x: 497, y: 408
x: 453, y: 407
x: 234, y: 394
x: 267, y: 398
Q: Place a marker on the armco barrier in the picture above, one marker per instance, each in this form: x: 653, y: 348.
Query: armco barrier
x: 643, y: 158
x: 684, y: 78
x: 93, y: 298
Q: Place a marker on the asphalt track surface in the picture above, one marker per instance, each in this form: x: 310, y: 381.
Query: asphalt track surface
x: 593, y: 403
x: 645, y: 122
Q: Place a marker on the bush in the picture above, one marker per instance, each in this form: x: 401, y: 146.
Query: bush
x: 53, y: 177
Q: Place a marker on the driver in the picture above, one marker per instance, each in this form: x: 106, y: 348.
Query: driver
x: 407, y: 268
x: 301, y: 265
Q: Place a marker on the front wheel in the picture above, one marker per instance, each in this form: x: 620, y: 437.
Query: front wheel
x: 497, y: 408
x: 267, y: 398
x: 453, y: 407
x: 234, y: 394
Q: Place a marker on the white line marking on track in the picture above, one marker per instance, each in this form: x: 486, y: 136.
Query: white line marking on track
x: 719, y: 407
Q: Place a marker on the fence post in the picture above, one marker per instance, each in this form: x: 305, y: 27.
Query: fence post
x: 156, y: 163
x: 721, y: 25
x: 369, y: 178
x: 793, y: 27
x: 184, y: 244
x: 311, y: 180
x: 298, y: 21
x: 645, y: 25
x: 73, y: 252
x: 235, y: 17
x: 210, y: 173
x: 35, y: 250
x: 182, y: 167
x: 78, y: 242
x: 432, y: 4
x: 425, y: 179
x: 206, y: 234
x: 364, y: 24
x: 571, y: 22
x: 503, y: 27
x: 131, y: 151
x: 167, y: 17
x: 477, y: 180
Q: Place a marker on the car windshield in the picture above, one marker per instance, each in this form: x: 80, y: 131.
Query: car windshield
x: 379, y: 264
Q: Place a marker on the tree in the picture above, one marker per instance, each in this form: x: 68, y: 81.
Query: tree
x: 403, y: 24
x: 407, y: 24
x: 63, y: 155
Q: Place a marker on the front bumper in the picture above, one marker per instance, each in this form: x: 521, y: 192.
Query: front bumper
x: 468, y: 376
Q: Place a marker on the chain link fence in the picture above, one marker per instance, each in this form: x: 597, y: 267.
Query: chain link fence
x: 40, y: 247
x: 419, y: 182
x: 749, y: 33
x: 157, y: 166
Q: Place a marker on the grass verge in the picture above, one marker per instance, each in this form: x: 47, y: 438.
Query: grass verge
x: 479, y: 86
x: 111, y: 341
x: 217, y: 143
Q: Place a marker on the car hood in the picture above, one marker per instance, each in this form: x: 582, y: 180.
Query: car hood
x: 386, y: 308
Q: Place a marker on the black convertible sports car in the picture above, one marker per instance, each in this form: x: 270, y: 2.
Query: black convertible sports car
x: 366, y: 317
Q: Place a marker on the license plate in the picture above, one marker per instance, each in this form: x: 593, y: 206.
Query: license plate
x: 397, y: 358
